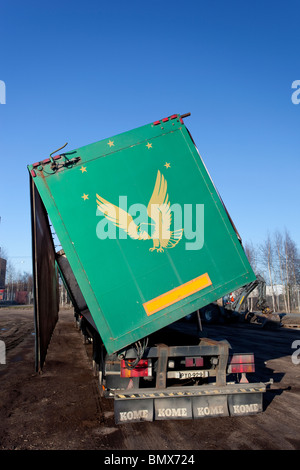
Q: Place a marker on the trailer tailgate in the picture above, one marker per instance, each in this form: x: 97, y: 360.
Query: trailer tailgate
x: 134, y: 285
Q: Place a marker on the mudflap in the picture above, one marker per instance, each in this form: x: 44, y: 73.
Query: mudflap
x: 241, y: 404
x: 130, y: 411
x: 189, y: 404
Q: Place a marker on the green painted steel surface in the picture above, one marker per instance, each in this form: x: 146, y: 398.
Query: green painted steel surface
x: 118, y: 273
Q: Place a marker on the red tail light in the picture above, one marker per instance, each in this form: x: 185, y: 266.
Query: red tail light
x: 194, y: 362
x: 189, y: 362
x: 241, y: 363
x: 142, y: 369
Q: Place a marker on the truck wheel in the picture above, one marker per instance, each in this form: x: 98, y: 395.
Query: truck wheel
x: 210, y: 314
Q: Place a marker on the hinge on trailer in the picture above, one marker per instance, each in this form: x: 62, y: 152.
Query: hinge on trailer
x: 54, y: 162
x: 174, y: 116
x: 222, y: 364
x: 161, y: 378
x: 52, y: 159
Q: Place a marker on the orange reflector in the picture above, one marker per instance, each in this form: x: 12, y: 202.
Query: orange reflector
x: 179, y: 293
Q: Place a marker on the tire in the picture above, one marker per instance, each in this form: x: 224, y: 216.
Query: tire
x: 210, y: 314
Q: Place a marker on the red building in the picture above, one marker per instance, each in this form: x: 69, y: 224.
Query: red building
x: 2, y: 272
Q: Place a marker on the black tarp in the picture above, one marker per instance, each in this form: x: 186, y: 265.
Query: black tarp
x: 45, y: 274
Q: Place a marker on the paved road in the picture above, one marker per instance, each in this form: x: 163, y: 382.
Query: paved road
x: 62, y: 409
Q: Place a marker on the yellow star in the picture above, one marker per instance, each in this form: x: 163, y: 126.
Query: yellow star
x: 149, y: 146
x: 83, y: 169
x: 111, y: 143
x: 167, y: 165
x: 85, y: 196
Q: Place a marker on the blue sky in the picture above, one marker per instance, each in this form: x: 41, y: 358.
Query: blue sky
x: 79, y: 72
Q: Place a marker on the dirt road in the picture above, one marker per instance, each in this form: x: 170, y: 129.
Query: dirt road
x: 61, y: 408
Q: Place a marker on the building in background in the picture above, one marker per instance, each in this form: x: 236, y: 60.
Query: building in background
x: 2, y: 272
x: 2, y: 277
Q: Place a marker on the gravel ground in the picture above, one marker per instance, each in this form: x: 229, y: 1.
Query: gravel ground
x: 61, y: 408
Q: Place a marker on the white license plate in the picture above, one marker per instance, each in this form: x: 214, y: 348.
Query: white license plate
x: 191, y: 374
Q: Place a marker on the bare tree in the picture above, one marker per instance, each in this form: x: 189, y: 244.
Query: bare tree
x: 251, y: 254
x: 10, y: 280
x: 267, y: 258
x: 280, y: 258
x: 3, y: 253
x: 291, y: 270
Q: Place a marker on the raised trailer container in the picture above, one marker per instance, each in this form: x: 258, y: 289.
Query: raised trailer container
x: 146, y: 240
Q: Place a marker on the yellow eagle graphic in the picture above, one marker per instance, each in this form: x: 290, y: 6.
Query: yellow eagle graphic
x: 158, y: 210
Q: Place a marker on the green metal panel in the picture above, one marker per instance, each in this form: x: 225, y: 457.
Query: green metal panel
x: 119, y: 271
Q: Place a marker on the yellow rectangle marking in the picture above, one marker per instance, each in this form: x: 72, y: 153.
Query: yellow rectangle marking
x: 179, y: 293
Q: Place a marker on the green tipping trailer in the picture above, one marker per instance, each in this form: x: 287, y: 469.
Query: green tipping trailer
x: 146, y: 240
